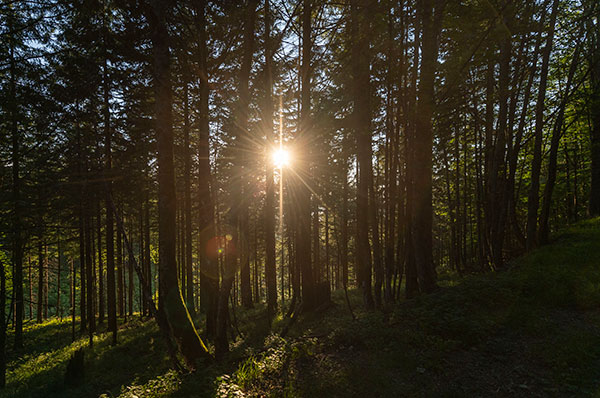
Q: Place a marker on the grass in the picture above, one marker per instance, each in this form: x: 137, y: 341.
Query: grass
x: 532, y: 330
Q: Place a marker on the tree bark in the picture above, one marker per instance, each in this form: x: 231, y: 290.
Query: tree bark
x: 244, y: 146
x: 362, y: 121
x: 303, y: 255
x: 422, y: 211
x: 552, y: 162
x: 2, y: 325
x: 110, y: 254
x: 190, y: 345
x: 16, y: 196
x: 187, y: 206
x: 209, y: 271
x: 270, y: 266
x: 533, y: 197
x: 40, y: 292
x: 595, y: 114
x: 89, y: 279
x: 101, y: 301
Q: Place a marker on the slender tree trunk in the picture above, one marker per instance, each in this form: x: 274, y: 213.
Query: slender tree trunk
x: 187, y: 205
x: 93, y: 264
x: 30, y: 287
x: 81, y: 226
x: 16, y: 197
x: 101, y: 300
x: 391, y: 162
x: 2, y: 325
x: 514, y: 151
x: 412, y: 282
x: 130, y: 260
x: 315, y: 230
x: 72, y: 299
x: 221, y: 343
x: 555, y: 141
x: 46, y: 273
x: 148, y: 263
x: 362, y: 121
x: 242, y: 144
x: 594, y: 31
x: 89, y: 278
x: 120, y: 304
x: 270, y: 266
x: 58, y: 263
x: 303, y: 255
x: 40, y: 292
x: 533, y: 198
x: 377, y: 259
x: 344, y: 221
x: 110, y: 254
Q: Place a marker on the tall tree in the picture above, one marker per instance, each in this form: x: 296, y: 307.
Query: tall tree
x: 557, y: 131
x: 362, y: 118
x: 170, y: 301
x: 209, y: 272
x: 303, y: 255
x: 267, y: 117
x: 536, y: 165
x: 431, y: 12
x: 594, y: 63
x: 111, y: 298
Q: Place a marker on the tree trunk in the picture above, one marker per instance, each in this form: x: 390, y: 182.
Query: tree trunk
x: 422, y: 211
x: 303, y: 255
x: 270, y: 266
x: 46, y: 273
x: 190, y: 345
x: 344, y: 216
x: 130, y: 281
x: 412, y: 282
x: 244, y: 146
x: 40, y: 292
x: 147, y: 266
x: 595, y: 113
x: 101, y: 301
x: 209, y: 270
x: 110, y: 255
x: 81, y: 227
x: 362, y: 121
x: 555, y: 141
x: 16, y: 198
x: 120, y: 304
x: 187, y: 205
x: 89, y: 279
x: 536, y: 165
x: 58, y: 263
x: 2, y: 325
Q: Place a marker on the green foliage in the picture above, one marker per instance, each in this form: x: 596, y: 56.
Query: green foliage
x: 161, y: 386
x: 531, y: 329
x: 39, y: 370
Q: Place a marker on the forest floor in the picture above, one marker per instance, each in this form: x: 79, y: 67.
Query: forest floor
x: 532, y: 330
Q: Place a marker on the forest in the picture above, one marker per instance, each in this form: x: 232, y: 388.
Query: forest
x: 299, y: 198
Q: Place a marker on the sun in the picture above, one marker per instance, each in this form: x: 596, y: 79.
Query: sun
x: 281, y: 158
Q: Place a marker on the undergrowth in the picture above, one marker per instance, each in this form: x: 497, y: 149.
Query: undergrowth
x: 532, y: 329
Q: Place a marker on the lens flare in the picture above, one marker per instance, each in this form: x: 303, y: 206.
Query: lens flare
x: 281, y: 158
